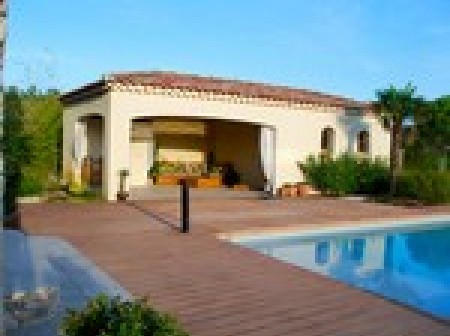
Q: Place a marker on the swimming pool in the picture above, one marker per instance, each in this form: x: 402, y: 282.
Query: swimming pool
x: 408, y: 263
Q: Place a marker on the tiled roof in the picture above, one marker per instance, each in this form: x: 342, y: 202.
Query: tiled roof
x: 172, y: 80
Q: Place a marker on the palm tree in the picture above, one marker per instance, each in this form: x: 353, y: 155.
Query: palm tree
x: 393, y: 106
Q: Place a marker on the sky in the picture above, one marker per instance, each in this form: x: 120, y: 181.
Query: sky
x: 345, y: 47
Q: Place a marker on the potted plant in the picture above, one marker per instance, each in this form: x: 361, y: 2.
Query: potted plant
x: 154, y: 171
x: 215, y: 172
x: 122, y: 195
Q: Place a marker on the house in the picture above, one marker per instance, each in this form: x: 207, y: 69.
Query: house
x: 176, y: 122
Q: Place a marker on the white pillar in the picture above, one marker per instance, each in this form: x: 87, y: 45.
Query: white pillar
x: 117, y: 152
x: 268, y: 157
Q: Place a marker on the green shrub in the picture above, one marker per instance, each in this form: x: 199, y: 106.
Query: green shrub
x: 30, y: 185
x: 373, y: 177
x: 111, y: 317
x: 427, y: 186
x: 346, y: 175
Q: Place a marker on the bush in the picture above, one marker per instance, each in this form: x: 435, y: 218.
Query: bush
x: 373, y: 177
x: 111, y: 317
x: 30, y: 186
x: 427, y: 186
x: 346, y: 175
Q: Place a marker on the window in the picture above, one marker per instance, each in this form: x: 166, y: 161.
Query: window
x: 363, y: 142
x: 327, y: 140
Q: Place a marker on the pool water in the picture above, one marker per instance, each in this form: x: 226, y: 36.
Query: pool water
x: 412, y: 266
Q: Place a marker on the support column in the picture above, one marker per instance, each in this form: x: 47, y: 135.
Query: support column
x: 268, y: 157
x: 117, y: 153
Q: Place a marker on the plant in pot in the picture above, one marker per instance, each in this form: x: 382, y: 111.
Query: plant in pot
x: 154, y: 171
x: 215, y: 172
x: 180, y: 169
x: 122, y: 195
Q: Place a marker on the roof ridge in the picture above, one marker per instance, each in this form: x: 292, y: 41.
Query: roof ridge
x: 230, y: 80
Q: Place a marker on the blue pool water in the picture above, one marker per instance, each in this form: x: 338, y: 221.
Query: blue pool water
x: 411, y: 266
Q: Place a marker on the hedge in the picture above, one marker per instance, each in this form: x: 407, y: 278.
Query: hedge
x: 427, y: 186
x: 346, y: 174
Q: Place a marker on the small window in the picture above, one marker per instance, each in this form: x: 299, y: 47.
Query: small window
x: 363, y: 142
x: 327, y: 140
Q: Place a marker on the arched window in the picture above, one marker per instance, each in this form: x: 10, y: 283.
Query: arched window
x: 327, y: 140
x: 363, y: 142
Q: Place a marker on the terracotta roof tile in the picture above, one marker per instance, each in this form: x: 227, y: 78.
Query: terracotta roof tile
x: 172, y: 80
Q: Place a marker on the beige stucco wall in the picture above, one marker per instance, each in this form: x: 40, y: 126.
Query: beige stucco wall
x: 141, y: 153
x: 297, y: 127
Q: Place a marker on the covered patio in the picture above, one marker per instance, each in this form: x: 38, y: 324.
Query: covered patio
x: 209, y: 154
x: 226, y: 157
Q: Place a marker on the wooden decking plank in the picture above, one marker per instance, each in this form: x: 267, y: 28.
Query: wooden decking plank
x: 219, y: 289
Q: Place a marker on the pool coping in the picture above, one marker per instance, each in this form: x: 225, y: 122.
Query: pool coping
x: 339, y: 227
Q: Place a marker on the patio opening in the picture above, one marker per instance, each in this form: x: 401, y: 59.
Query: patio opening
x: 213, y: 155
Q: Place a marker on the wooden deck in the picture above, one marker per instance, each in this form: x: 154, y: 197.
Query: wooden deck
x: 220, y: 289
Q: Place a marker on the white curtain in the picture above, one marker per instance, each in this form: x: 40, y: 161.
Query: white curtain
x: 78, y: 142
x: 79, y: 148
x: 267, y: 152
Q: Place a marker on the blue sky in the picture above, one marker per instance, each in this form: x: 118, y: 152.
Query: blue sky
x: 347, y: 47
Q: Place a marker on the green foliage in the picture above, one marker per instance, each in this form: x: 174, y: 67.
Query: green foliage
x: 427, y: 186
x: 393, y: 106
x: 346, y: 175
x: 373, y: 177
x: 43, y: 126
x: 430, y: 148
x: 32, y: 137
x: 15, y: 148
x: 434, y: 131
x: 111, y: 317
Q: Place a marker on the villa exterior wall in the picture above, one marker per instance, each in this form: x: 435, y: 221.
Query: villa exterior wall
x: 298, y: 129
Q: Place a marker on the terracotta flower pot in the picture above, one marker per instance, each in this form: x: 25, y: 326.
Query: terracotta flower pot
x: 293, y: 191
x: 288, y: 191
x: 167, y: 180
x: 304, y: 189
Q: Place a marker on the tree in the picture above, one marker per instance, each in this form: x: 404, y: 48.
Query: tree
x: 394, y: 106
x: 429, y: 148
x: 42, y: 123
x: 434, y: 131
x: 15, y: 150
